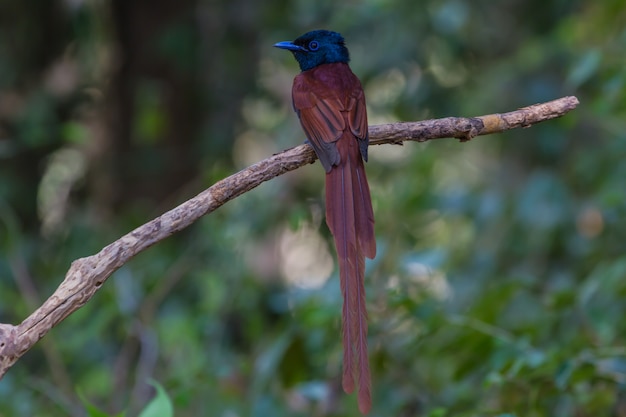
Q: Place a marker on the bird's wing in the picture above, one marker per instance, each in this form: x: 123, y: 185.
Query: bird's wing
x: 322, y: 121
x: 322, y: 115
x: 357, y: 119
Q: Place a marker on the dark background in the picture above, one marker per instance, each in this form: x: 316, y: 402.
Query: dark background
x: 500, y: 279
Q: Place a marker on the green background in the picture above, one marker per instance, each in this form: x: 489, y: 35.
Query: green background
x: 499, y: 285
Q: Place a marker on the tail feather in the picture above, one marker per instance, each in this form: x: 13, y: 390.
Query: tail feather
x: 349, y: 216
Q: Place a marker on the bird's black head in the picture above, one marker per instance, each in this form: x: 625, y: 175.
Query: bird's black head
x: 316, y: 48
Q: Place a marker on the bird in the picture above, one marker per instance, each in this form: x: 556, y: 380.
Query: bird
x: 330, y: 103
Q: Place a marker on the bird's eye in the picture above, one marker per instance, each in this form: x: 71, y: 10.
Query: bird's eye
x: 314, y: 46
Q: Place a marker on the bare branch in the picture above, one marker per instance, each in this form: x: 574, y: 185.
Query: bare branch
x: 86, y: 275
x: 467, y: 128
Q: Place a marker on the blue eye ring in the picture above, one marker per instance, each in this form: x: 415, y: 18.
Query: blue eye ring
x: 314, y: 46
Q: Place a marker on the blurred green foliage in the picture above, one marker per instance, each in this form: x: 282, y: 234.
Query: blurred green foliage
x: 500, y: 283
x: 159, y: 406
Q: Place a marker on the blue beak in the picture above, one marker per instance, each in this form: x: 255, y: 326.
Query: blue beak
x: 290, y: 46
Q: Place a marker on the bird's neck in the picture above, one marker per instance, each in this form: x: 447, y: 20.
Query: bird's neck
x: 328, y: 72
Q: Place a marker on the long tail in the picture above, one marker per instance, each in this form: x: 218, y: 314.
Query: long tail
x: 350, y: 217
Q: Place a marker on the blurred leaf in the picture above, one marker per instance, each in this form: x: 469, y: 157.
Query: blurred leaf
x: 160, y: 405
x: 585, y: 68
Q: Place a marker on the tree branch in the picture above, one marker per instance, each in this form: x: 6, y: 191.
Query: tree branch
x: 86, y: 275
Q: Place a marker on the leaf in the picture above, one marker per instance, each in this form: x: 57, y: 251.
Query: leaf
x: 160, y: 405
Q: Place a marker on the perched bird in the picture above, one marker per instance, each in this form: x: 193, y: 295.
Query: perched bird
x: 330, y: 103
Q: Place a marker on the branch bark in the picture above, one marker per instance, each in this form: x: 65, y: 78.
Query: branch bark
x: 87, y: 275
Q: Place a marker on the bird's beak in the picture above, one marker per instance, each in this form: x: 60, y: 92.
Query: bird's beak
x: 289, y: 46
